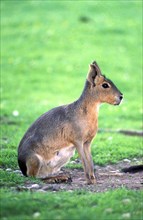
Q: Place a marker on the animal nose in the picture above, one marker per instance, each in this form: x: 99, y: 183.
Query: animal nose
x: 121, y: 96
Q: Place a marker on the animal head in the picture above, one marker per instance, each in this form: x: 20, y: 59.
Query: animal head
x: 103, y: 88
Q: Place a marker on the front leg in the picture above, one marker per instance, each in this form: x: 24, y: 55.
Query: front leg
x: 87, y: 150
x: 87, y: 162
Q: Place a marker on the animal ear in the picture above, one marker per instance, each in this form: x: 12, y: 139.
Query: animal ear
x: 94, y: 71
x: 97, y: 68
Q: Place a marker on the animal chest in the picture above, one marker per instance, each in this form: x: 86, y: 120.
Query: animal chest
x: 89, y: 128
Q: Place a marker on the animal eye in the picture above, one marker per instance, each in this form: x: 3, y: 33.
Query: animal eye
x: 105, y: 85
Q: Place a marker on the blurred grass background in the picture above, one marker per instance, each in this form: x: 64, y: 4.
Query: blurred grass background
x: 46, y: 49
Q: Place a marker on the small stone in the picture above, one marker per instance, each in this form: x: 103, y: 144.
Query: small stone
x: 34, y: 186
x: 134, y: 159
x: 109, y: 210
x: 41, y: 190
x: 9, y: 169
x: 126, y: 201
x: 16, y: 171
x: 127, y: 160
x: 126, y: 215
x: 15, y: 113
x: 36, y: 214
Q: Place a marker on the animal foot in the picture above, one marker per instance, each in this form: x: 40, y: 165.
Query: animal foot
x: 58, y: 179
x: 91, y: 180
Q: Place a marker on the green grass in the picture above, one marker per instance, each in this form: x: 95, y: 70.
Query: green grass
x: 46, y: 47
x: 11, y: 179
x: 75, y: 205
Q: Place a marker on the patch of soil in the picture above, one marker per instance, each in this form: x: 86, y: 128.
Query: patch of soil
x: 108, y: 177
x: 125, y: 132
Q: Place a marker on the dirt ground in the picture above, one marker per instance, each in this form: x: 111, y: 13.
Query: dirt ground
x: 108, y: 177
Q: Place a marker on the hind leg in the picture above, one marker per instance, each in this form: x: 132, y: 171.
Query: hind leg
x: 38, y: 167
x: 55, y: 164
x: 61, y: 158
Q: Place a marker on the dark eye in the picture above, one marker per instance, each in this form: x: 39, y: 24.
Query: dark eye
x: 105, y: 85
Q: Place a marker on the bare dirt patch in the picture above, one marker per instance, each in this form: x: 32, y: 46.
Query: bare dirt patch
x: 108, y: 177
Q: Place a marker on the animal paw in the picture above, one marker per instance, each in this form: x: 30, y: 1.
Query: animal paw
x: 58, y: 179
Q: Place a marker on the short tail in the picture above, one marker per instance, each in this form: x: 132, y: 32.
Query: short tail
x: 22, y: 165
x: 133, y: 169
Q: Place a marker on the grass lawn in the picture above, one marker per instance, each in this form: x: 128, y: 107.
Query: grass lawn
x: 46, y: 47
x: 76, y: 205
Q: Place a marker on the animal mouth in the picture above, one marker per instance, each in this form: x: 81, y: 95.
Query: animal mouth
x: 118, y: 102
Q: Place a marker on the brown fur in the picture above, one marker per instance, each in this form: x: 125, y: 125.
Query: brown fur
x: 52, y: 139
